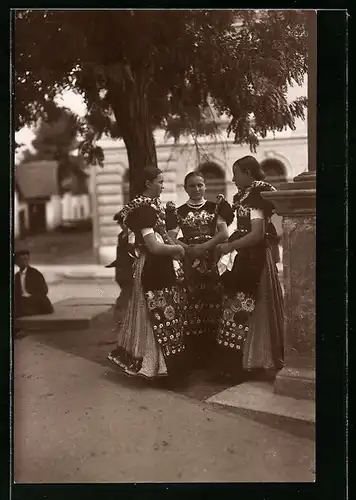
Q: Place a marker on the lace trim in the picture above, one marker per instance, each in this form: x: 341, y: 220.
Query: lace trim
x: 137, y: 202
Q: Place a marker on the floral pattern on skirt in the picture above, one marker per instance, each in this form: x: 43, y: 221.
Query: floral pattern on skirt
x: 164, y: 308
x: 202, y: 309
x: 233, y: 329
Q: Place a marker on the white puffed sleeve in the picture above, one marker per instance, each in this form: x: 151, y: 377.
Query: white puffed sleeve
x: 256, y: 213
x: 175, y: 230
x: 220, y: 221
x: 147, y: 230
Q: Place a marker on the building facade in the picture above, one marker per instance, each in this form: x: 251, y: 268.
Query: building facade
x: 38, y: 205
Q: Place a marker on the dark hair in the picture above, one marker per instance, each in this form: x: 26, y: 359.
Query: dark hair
x: 250, y: 164
x: 149, y: 173
x: 18, y: 253
x: 195, y: 173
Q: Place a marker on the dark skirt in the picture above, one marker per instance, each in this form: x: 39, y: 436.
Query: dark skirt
x: 264, y: 347
x: 202, y: 309
x: 246, y: 273
x: 239, y: 301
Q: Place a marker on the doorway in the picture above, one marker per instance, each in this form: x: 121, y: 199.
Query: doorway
x: 37, y: 217
x: 22, y: 224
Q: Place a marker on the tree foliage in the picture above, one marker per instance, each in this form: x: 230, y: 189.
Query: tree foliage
x: 55, y: 140
x: 138, y: 70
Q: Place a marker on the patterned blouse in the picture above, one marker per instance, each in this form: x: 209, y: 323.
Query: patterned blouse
x: 140, y: 214
x: 198, y: 224
x: 249, y: 205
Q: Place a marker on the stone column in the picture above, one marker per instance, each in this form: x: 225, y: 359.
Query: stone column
x: 296, y: 202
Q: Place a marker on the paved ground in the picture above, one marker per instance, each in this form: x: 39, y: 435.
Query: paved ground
x: 78, y: 420
x: 64, y: 290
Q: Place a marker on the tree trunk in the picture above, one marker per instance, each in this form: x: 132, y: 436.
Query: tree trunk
x: 132, y: 115
x: 141, y: 151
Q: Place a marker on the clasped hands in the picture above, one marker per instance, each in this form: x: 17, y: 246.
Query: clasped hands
x: 198, y: 250
x: 192, y: 252
x: 195, y: 251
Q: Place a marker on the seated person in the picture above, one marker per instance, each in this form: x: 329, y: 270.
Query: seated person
x: 30, y: 294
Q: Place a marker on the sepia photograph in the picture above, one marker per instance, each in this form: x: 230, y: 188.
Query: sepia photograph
x: 164, y: 235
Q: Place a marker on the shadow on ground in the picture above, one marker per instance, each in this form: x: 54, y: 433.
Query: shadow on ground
x: 96, y: 342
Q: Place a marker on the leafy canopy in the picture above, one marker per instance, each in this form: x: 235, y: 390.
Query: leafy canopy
x: 138, y: 70
x: 56, y: 140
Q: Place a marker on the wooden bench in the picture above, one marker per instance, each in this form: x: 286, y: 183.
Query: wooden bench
x: 69, y: 314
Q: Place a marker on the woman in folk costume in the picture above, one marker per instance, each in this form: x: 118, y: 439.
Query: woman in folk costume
x: 150, y: 340
x: 250, y: 334
x: 203, y: 225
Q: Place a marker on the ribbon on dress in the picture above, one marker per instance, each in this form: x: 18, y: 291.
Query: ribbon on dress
x: 226, y: 262
x: 131, y: 239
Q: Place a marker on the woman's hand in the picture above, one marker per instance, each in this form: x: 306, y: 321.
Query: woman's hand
x: 178, y: 253
x: 198, y: 250
x: 189, y: 251
x: 223, y: 248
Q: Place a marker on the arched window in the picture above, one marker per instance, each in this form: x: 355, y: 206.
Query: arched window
x: 274, y: 170
x: 125, y: 187
x: 214, y: 179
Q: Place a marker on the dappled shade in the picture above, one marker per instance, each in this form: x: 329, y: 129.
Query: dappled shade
x: 169, y: 69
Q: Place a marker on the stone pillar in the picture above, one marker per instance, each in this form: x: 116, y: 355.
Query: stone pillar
x: 296, y: 202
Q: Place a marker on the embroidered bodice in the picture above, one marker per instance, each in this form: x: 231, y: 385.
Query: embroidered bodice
x: 198, y: 224
x: 142, y: 213
x: 249, y: 200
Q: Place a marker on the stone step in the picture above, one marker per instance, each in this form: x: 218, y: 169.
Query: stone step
x: 103, y: 274
x: 76, y: 275
x: 69, y: 314
x: 259, y: 397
